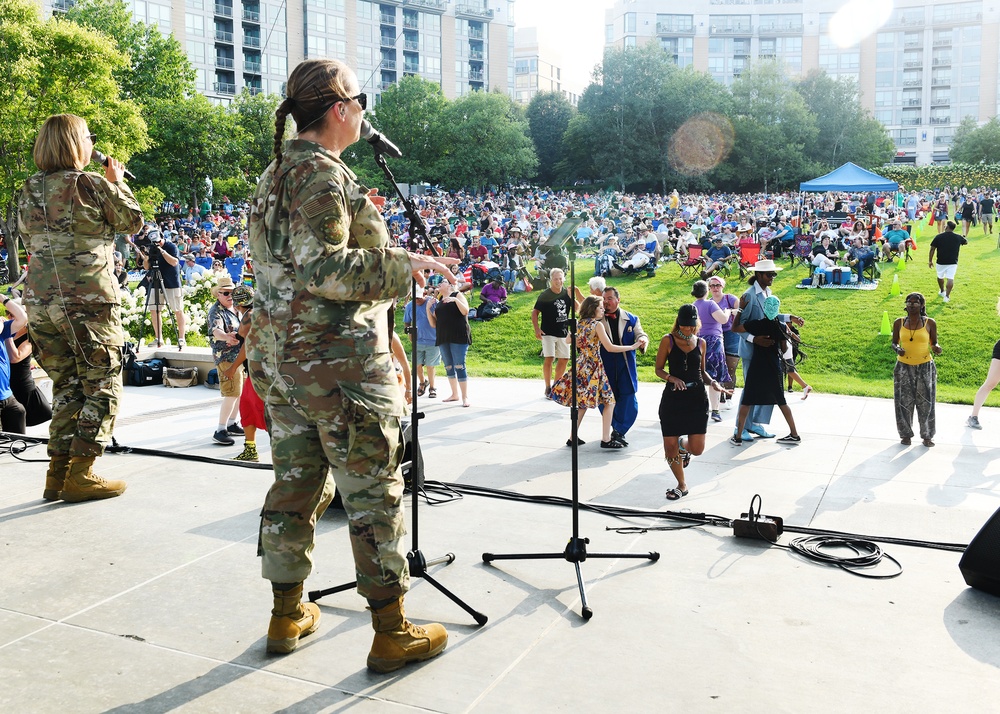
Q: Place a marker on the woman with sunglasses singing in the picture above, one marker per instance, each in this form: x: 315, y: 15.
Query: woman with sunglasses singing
x: 68, y: 219
x: 320, y: 359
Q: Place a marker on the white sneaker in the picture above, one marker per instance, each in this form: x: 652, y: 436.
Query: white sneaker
x: 942, y: 294
x: 946, y: 298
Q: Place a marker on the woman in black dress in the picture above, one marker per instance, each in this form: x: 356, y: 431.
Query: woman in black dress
x: 37, y: 409
x: 680, y: 362
x: 765, y: 379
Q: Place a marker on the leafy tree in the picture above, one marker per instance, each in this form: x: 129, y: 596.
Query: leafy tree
x: 772, y: 127
x: 55, y: 67
x: 847, y: 131
x: 549, y: 115
x: 155, y: 67
x: 485, y: 142
x: 411, y: 113
x: 255, y: 116
x: 974, y: 144
x: 577, y: 151
x: 191, y: 139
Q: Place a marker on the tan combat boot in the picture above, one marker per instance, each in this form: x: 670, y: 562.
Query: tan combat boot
x: 55, y: 477
x: 290, y: 619
x: 83, y: 484
x: 398, y: 641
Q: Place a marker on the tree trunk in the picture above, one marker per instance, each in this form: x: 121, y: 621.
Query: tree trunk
x: 12, y: 242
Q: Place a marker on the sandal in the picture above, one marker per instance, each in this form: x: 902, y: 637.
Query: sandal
x: 675, y: 494
x: 432, y: 393
x: 422, y: 389
x: 790, y: 439
x: 685, y: 454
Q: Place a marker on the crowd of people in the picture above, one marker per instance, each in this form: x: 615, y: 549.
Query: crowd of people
x: 312, y: 355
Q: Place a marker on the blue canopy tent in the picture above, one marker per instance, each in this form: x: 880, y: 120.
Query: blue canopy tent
x: 849, y: 177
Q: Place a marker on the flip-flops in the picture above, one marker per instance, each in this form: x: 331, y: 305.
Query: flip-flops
x: 675, y: 494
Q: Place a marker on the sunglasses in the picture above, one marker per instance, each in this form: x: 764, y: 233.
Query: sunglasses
x: 227, y: 293
x: 93, y: 138
x: 362, y: 99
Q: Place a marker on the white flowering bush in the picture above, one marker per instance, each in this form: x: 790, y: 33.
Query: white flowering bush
x: 197, y: 300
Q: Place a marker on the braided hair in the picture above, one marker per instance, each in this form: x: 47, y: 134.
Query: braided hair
x: 312, y: 88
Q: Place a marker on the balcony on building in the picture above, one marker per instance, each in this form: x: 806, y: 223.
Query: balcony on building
x: 387, y: 18
x: 477, y: 55
x: 941, y: 81
x: 411, y: 21
x: 388, y: 64
x: 432, y: 5
x: 387, y: 41
x: 385, y: 84
x: 905, y: 20
x: 252, y: 66
x: 911, y: 101
x: 475, y: 75
x: 913, y: 82
x: 913, y: 63
x: 734, y: 29
x: 940, y: 120
x: 253, y: 85
x: 223, y: 36
x: 251, y: 40
x: 223, y: 62
x: 959, y: 17
x: 911, y: 44
x: 910, y: 121
x: 475, y: 12
x: 251, y: 13
x: 476, y: 33
x: 224, y: 87
x: 942, y: 61
x: 674, y: 28
x: 411, y: 68
x: 223, y: 10
x: 940, y: 101
x: 784, y: 28
x: 906, y: 141
x: 411, y: 45
x: 942, y: 42
x: 766, y: 56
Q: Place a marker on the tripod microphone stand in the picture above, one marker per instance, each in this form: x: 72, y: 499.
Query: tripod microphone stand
x: 418, y: 563
x: 576, y: 549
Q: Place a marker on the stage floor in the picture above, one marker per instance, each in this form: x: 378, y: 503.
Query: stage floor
x: 153, y: 602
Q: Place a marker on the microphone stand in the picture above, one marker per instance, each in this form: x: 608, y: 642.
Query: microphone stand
x: 576, y: 549
x: 416, y: 560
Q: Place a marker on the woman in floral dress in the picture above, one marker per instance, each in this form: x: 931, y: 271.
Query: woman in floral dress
x: 592, y: 387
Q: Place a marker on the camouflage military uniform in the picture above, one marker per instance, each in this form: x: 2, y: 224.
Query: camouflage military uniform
x: 319, y: 357
x: 68, y: 220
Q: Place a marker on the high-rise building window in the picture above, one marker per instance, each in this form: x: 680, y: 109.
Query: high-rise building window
x: 609, y: 34
x: 630, y: 22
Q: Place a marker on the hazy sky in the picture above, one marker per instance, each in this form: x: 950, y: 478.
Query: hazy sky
x: 575, y: 28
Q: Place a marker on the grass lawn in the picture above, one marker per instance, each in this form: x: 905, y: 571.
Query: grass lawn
x: 846, y: 354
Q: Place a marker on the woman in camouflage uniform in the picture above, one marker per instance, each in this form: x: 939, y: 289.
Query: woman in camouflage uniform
x: 320, y: 359
x: 68, y: 219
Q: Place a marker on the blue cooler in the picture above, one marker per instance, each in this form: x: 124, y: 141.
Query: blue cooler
x: 829, y: 275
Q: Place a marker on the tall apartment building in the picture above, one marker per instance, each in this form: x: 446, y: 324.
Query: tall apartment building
x: 920, y: 73
x: 538, y: 68
x: 464, y: 46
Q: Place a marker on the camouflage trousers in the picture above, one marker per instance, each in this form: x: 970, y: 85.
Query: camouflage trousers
x: 79, y: 346
x: 321, y: 425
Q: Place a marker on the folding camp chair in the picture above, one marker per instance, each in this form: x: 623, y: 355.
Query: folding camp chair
x: 801, y: 252
x: 749, y: 254
x: 694, y: 263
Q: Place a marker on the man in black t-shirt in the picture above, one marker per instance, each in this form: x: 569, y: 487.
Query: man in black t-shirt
x: 947, y: 246
x: 553, y: 305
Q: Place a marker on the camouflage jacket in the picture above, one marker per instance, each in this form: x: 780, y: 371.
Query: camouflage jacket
x: 72, y: 244
x: 325, y: 272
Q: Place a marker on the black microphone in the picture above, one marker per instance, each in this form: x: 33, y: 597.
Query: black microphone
x: 378, y: 141
x: 103, y: 161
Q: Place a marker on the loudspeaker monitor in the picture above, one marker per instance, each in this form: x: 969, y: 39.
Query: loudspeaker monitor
x: 980, y: 565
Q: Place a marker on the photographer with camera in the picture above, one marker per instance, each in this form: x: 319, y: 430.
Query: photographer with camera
x: 161, y: 260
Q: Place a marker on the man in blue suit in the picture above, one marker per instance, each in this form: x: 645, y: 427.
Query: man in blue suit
x: 623, y: 328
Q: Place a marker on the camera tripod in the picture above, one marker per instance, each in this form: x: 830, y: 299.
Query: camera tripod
x: 416, y: 560
x: 154, y: 288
